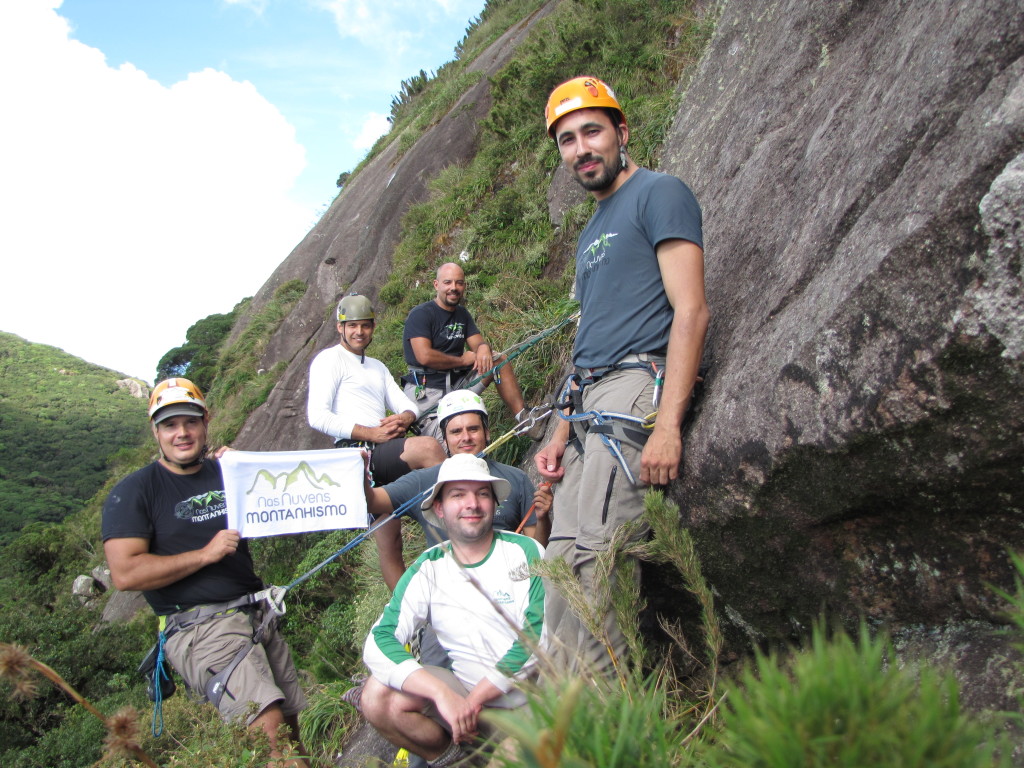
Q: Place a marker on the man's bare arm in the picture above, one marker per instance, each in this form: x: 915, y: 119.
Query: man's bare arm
x: 427, y: 356
x: 133, y: 567
x: 682, y: 272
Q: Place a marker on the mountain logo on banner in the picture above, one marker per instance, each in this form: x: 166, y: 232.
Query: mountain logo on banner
x: 302, y: 478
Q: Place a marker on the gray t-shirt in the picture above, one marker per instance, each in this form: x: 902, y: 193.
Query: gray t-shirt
x: 618, y: 282
x: 506, y: 518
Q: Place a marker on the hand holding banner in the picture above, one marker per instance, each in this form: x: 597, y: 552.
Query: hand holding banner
x: 270, y: 493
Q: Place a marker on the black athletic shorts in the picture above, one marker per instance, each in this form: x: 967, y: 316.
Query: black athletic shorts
x: 386, y: 463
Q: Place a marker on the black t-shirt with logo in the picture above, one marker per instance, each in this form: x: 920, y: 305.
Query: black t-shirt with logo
x: 446, y: 330
x: 180, y: 513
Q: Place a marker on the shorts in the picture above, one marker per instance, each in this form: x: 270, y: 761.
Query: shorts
x: 386, y: 463
x: 448, y: 677
x: 265, y: 676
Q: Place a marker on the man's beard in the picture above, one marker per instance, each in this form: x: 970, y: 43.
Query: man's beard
x: 603, y: 180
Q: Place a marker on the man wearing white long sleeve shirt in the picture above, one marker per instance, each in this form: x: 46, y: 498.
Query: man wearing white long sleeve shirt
x: 350, y: 395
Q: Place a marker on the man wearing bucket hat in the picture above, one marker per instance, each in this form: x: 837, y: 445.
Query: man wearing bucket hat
x: 463, y: 419
x: 487, y: 610
x: 164, y: 534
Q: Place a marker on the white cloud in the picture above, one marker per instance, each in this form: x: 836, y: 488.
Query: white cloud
x: 392, y: 24
x: 374, y: 126
x: 132, y: 209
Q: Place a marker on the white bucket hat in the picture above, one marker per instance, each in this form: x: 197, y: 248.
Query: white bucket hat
x: 465, y: 466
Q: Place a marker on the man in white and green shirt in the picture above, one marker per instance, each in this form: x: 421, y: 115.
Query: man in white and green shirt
x: 477, y: 592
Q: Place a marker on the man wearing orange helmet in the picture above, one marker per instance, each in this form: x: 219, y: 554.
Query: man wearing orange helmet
x: 164, y: 534
x: 642, y: 249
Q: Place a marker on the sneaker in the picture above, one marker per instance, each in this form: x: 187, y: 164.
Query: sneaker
x: 537, y: 420
x: 354, y: 696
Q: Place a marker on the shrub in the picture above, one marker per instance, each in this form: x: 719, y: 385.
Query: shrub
x: 574, y: 725
x: 844, y: 703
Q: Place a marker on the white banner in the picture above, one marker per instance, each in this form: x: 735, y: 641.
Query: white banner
x: 270, y: 493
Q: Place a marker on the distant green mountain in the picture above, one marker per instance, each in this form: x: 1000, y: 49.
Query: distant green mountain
x: 61, y: 419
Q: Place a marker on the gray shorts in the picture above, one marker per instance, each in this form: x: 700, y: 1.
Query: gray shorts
x: 447, y: 677
x: 430, y: 397
x: 265, y: 676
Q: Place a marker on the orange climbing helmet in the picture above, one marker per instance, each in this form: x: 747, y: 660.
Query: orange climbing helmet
x: 181, y: 393
x: 580, y: 93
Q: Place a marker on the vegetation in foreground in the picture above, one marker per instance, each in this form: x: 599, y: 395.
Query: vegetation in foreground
x: 838, y: 701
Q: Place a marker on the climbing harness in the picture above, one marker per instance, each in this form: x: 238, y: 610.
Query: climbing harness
x: 269, y: 602
x: 614, y: 428
x: 365, y: 445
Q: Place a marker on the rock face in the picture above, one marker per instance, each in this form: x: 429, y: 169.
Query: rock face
x: 350, y: 249
x: 858, y: 448
x: 135, y: 387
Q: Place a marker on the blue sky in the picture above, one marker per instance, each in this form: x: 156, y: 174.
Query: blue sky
x: 145, y: 139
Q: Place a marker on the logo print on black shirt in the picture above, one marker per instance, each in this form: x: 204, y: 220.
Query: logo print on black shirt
x: 201, y: 508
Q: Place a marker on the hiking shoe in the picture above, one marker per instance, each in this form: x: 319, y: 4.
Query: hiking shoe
x: 354, y: 696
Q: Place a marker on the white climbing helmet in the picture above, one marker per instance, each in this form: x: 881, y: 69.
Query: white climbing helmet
x: 460, y: 401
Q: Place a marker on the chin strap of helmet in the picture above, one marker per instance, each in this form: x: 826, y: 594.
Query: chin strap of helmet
x: 348, y: 346
x: 194, y: 463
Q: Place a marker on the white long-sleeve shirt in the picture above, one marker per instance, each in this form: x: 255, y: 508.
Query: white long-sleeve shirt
x: 347, y: 389
x: 488, y: 616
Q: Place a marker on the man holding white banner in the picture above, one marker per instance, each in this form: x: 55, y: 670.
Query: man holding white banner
x: 164, y: 533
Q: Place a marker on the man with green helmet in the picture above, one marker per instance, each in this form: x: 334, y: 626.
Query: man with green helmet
x: 350, y: 395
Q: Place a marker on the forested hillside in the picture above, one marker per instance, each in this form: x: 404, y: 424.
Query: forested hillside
x: 61, y: 419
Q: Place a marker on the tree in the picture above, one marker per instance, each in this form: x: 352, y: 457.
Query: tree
x: 197, y: 357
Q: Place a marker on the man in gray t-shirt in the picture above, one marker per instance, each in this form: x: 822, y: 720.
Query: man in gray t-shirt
x: 463, y: 420
x: 640, y: 282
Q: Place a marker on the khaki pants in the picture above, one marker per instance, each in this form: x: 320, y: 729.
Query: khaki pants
x: 593, y: 499
x: 265, y: 676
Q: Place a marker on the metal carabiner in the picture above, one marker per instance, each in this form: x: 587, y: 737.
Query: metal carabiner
x: 565, y: 399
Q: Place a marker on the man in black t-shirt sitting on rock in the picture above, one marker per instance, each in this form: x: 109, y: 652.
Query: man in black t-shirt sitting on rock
x: 445, y: 350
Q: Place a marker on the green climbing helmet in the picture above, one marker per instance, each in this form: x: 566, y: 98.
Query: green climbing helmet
x: 354, y: 307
